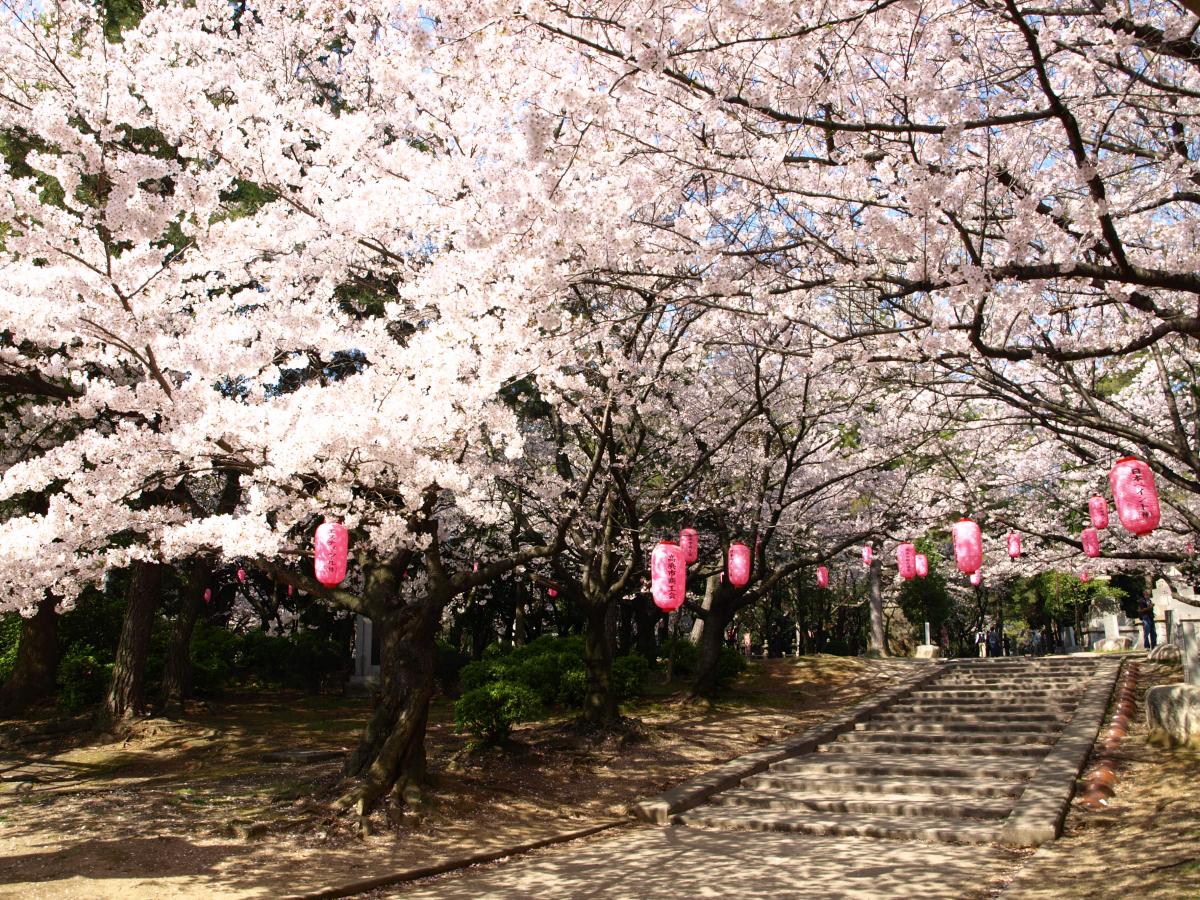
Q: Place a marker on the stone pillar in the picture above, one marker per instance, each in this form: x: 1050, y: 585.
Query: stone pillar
x: 1190, y: 651
x: 1069, y: 637
x: 1112, y: 627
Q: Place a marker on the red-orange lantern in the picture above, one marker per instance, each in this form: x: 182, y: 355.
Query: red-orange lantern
x: 822, y: 577
x: 331, y: 549
x: 921, y: 565
x: 1014, y: 545
x: 552, y: 592
x: 291, y: 590
x: 968, y: 546
x: 689, y: 542
x: 868, y: 554
x: 241, y: 575
x: 739, y: 565
x: 1098, y: 512
x: 208, y: 595
x: 668, y: 576
x: 906, y: 560
x: 1135, y: 495
x: 977, y: 578
x: 1090, y: 538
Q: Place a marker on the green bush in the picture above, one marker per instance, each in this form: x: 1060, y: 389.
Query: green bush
x: 687, y: 655
x: 629, y: 674
x: 10, y: 636
x: 491, y: 711
x: 572, y: 688
x: 553, y: 668
x: 730, y: 664
x: 213, y: 651
x: 83, y: 676
x: 448, y: 664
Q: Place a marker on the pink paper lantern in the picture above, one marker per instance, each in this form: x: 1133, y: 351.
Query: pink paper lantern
x: 739, y: 565
x: 921, y: 565
x: 968, y: 546
x: 822, y: 577
x: 1084, y: 576
x: 1135, y: 495
x: 208, y: 595
x: 977, y: 578
x: 291, y: 589
x: 331, y: 550
x: 868, y: 555
x: 552, y: 592
x: 689, y: 542
x: 1098, y: 512
x: 241, y: 575
x: 906, y: 560
x: 1014, y: 545
x: 668, y: 576
x: 1090, y: 539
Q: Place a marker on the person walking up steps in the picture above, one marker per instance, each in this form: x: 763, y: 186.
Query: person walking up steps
x: 1146, y: 611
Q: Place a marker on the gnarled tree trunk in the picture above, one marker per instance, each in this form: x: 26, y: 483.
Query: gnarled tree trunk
x: 390, y: 757
x: 712, y: 638
x: 600, y: 702
x: 177, y: 669
x: 126, y: 692
x: 37, y: 661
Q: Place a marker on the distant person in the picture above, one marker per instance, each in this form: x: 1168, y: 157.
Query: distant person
x: 1146, y: 611
x: 981, y: 643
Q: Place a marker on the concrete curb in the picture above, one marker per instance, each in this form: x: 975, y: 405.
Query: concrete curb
x: 1037, y: 818
x: 689, y: 794
x: 363, y: 885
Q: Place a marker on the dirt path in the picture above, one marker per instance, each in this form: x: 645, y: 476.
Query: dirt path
x: 190, y: 808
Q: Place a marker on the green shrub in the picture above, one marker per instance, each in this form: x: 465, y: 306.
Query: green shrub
x: 572, y: 687
x: 730, y: 664
x: 83, y: 676
x: 687, y: 655
x: 312, y: 658
x: 448, y: 663
x: 491, y: 711
x: 213, y: 652
x: 629, y: 675
x: 10, y: 636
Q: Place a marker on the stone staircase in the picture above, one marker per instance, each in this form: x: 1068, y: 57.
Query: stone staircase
x: 948, y: 763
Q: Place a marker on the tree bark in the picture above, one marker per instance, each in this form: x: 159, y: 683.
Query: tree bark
x: 647, y: 624
x: 600, y: 702
x: 711, y: 586
x: 126, y: 692
x: 37, y: 661
x: 875, y: 589
x: 390, y: 756
x: 712, y: 638
x: 177, y: 669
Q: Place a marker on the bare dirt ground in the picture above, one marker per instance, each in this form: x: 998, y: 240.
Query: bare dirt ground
x: 1145, y: 843
x: 190, y: 808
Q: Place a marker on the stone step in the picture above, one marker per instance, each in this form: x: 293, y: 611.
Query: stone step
x: 946, y: 831
x: 894, y: 784
x: 925, y: 765
x: 999, y: 704
x: 922, y: 726
x: 1020, y: 684
x: 918, y: 748
x: 915, y: 807
x: 995, y: 696
x: 926, y: 738
x: 946, y: 714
